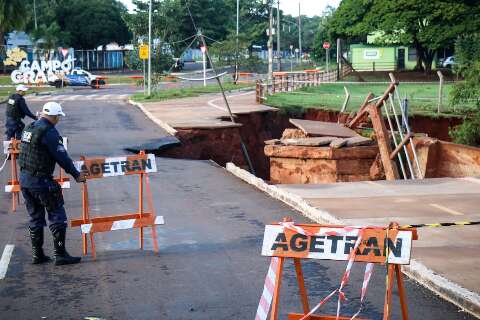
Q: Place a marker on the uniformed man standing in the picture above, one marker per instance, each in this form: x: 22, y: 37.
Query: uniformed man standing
x: 40, y: 149
x: 17, y: 110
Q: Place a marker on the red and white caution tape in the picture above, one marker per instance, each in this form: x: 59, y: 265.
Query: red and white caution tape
x: 346, y: 276
x: 366, y: 280
x: 268, y: 288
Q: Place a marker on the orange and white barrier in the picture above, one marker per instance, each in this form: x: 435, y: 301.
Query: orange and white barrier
x: 98, y: 168
x: 12, y: 148
x: 390, y: 246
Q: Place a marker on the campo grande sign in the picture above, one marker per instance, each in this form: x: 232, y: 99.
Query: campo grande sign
x: 40, y: 71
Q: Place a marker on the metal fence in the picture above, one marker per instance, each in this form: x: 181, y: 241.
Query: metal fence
x: 291, y: 81
x: 85, y: 59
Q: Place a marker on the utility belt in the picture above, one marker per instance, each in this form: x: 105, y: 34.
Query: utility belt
x: 37, y: 174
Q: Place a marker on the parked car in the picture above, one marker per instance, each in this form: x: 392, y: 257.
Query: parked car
x: 449, y: 62
x: 77, y: 78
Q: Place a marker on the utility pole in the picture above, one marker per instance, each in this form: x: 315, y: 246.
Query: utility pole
x: 279, y: 57
x: 149, y: 90
x: 299, y: 32
x: 237, y: 47
x: 270, y: 46
x: 35, y: 13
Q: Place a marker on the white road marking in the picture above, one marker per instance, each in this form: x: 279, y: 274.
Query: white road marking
x: 5, y: 260
x: 74, y: 97
x: 447, y: 210
x: 211, y: 103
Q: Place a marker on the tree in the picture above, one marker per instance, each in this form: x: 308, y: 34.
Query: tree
x: 11, y: 12
x: 426, y: 25
x: 467, y: 53
x: 92, y: 23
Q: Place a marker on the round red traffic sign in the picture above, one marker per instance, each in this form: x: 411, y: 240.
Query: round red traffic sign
x: 326, y: 45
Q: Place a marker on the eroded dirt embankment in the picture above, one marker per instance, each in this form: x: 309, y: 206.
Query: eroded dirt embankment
x: 222, y: 145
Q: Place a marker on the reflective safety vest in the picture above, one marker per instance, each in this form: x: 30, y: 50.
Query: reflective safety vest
x: 34, y: 156
x: 13, y: 108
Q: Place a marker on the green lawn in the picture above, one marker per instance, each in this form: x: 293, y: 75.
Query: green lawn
x: 422, y: 97
x: 195, y: 91
x: 5, y: 92
x: 5, y: 80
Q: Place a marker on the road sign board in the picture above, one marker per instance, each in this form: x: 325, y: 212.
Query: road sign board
x: 143, y: 52
x: 203, y: 49
x: 326, y: 45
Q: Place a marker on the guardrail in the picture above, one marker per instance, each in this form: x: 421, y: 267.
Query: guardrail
x: 291, y: 81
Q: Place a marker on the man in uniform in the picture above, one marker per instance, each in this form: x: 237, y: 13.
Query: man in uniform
x: 17, y: 110
x: 40, y: 149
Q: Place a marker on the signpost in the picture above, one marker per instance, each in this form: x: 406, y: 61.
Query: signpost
x: 143, y: 55
x: 203, y: 49
x: 326, y: 46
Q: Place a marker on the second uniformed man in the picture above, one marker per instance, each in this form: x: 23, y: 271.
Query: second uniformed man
x: 40, y: 149
x: 17, y: 109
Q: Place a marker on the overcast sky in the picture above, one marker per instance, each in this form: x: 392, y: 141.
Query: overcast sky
x: 308, y: 7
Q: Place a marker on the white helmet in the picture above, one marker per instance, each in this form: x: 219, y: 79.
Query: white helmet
x: 53, y: 109
x: 21, y: 87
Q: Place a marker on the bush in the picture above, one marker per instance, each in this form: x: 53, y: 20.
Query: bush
x: 468, y: 132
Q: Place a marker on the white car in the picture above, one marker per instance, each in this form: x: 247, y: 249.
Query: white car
x: 449, y: 62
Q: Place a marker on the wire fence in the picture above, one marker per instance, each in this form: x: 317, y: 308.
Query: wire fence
x: 422, y: 97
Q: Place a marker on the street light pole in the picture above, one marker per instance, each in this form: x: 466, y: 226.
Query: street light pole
x: 278, y: 37
x: 237, y: 45
x: 270, y: 46
x: 299, y: 32
x: 149, y: 90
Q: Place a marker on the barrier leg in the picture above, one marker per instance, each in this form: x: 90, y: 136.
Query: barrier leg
x: 401, y: 292
x: 92, y: 244
x: 301, y: 285
x: 140, y: 207
x: 15, y: 195
x: 152, y: 211
x: 85, y: 216
x: 388, y: 293
x: 276, y: 291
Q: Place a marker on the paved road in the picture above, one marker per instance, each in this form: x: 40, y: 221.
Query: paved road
x: 209, y: 265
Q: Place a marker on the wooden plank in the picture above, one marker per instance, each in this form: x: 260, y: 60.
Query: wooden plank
x: 322, y: 129
x: 78, y: 222
x: 338, y: 143
x: 383, y: 140
x: 308, y: 142
x: 358, y: 141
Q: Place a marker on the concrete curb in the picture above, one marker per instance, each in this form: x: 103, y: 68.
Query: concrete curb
x: 465, y: 299
x: 150, y: 116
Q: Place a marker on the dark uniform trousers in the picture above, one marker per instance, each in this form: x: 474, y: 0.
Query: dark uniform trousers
x: 14, y: 128
x: 49, y: 199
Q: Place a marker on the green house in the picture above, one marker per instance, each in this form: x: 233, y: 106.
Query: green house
x: 382, y: 58
x: 390, y: 56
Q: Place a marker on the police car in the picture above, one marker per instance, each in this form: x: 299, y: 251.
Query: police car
x: 78, y: 78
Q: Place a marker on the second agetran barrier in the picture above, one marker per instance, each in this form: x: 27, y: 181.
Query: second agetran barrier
x: 98, y: 168
x: 390, y: 246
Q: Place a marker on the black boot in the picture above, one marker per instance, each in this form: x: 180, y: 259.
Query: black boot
x: 36, y: 235
x: 61, y: 255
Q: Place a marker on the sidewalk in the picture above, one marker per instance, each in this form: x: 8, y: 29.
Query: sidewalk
x: 203, y: 112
